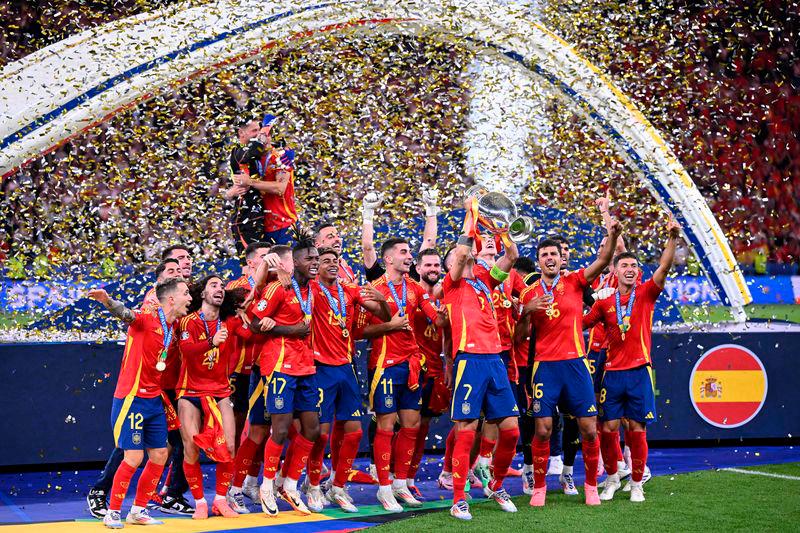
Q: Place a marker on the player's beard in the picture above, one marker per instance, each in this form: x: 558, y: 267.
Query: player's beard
x: 430, y: 279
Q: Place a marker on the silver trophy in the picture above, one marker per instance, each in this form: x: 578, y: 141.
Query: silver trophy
x: 499, y: 214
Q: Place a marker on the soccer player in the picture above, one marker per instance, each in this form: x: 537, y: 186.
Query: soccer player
x: 503, y: 296
x: 627, y: 383
x: 327, y: 236
x: 288, y: 362
x: 435, y: 394
x: 274, y: 180
x: 560, y: 370
x: 183, y: 256
x: 335, y: 304
x: 137, y: 414
x: 96, y: 499
x: 203, y: 391
x: 480, y: 382
x: 395, y: 366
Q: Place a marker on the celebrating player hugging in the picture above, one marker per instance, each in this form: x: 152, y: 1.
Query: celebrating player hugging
x: 262, y: 368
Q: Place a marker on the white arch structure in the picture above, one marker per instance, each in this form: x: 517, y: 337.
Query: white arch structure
x: 66, y: 88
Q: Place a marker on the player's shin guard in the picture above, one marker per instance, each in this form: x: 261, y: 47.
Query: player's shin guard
x: 461, y: 463
x: 119, y: 487
x: 315, y: 460
x: 245, y: 457
x: 637, y: 440
x: 223, y: 477
x: 337, y: 438
x: 419, y: 449
x: 382, y: 450
x: 449, y: 444
x: 272, y: 457
x: 591, y: 453
x: 194, y: 476
x: 287, y: 461
x: 347, y: 454
x: 506, y: 449
x: 302, y: 451
x: 541, y: 454
x: 148, y: 482
x: 609, y: 444
x: 404, y: 446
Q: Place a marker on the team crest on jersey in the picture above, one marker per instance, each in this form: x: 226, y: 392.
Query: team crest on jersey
x: 184, y: 335
x: 388, y: 401
x: 262, y: 305
x: 136, y: 438
x: 278, y: 402
x: 465, y: 408
x: 537, y: 406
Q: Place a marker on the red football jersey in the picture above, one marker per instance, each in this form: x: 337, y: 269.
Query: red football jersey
x: 506, y: 312
x: 597, y: 335
x: 331, y: 347
x: 559, y: 332
x: 520, y: 352
x: 634, y: 350
x: 236, y: 346
x: 204, y: 369
x: 279, y: 209
x: 429, y: 340
x: 138, y: 375
x: 242, y: 282
x: 346, y: 273
x: 289, y: 355
x: 171, y: 374
x: 473, y: 320
x: 150, y: 302
x: 399, y: 346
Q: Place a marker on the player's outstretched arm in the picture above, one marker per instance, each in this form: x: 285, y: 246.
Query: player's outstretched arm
x: 430, y: 232
x: 507, y: 260
x: 115, y: 307
x: 606, y: 253
x: 668, y: 255
x: 464, y: 246
x: 371, y: 202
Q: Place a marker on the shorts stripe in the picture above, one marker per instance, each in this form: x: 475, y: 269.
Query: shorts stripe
x: 459, y: 374
x: 259, y: 391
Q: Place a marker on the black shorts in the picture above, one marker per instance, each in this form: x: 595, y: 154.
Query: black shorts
x: 246, y: 234
x: 240, y: 392
x: 196, y: 400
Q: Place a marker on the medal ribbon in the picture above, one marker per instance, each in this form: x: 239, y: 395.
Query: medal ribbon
x: 547, y: 291
x: 340, y: 308
x: 205, y: 325
x: 305, y: 305
x: 479, y: 285
x: 502, y: 286
x: 401, y: 304
x: 167, y: 332
x: 624, y: 321
x: 251, y: 281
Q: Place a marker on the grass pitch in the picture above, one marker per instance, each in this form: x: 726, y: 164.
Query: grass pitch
x: 719, y: 313
x: 709, y: 500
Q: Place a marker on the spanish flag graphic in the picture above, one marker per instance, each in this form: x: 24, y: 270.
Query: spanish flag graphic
x: 728, y: 386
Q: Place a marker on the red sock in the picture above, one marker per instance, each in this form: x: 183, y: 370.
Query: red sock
x: 382, y: 446
x: 302, y: 450
x: 487, y: 447
x: 244, y: 461
x: 287, y: 461
x: 620, y: 453
x: 541, y: 453
x: 637, y: 441
x: 119, y: 487
x: 194, y: 477
x: 223, y: 477
x: 506, y: 449
x: 609, y: 444
x: 347, y: 455
x: 272, y: 457
x: 461, y: 448
x: 337, y: 437
x: 167, y: 479
x: 449, y: 444
x: 419, y: 449
x: 148, y: 482
x: 315, y: 460
x: 404, y: 446
x: 258, y: 460
x: 591, y: 454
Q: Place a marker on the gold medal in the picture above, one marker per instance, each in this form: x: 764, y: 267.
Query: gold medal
x: 507, y: 304
x: 161, y: 366
x: 345, y: 333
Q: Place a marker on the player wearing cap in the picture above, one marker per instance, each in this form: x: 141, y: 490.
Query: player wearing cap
x: 137, y: 414
x: 274, y: 180
x: 560, y: 372
x: 287, y: 361
x: 335, y: 304
x: 395, y: 366
x: 480, y: 382
x: 627, y: 383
